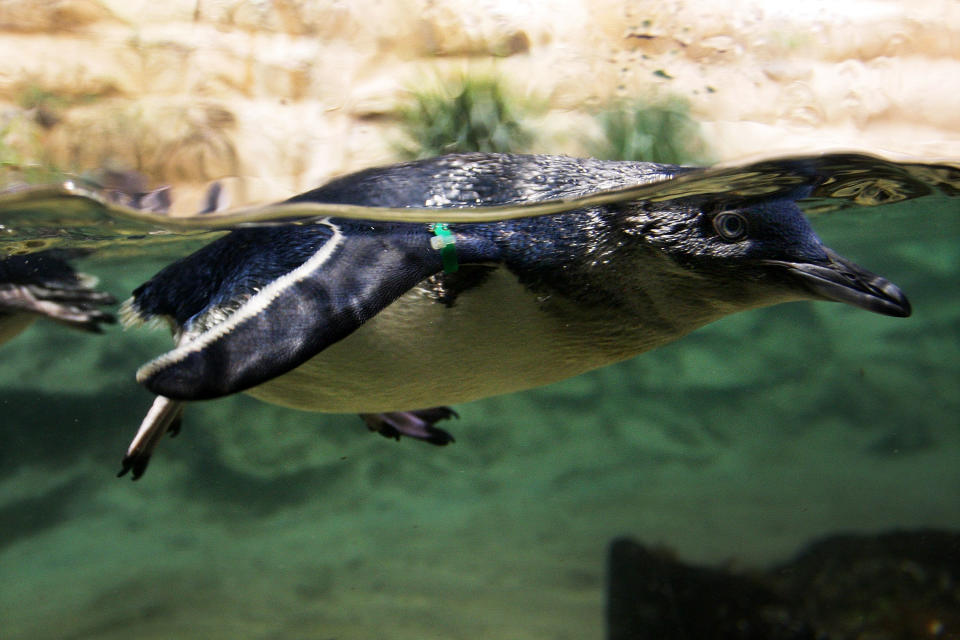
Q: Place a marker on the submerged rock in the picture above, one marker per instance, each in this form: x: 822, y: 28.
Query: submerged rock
x: 891, y: 586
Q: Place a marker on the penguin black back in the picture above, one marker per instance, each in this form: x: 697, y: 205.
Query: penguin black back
x: 484, y: 179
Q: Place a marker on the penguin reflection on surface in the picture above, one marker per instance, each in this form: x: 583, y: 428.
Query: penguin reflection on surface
x: 44, y: 284
x: 396, y: 320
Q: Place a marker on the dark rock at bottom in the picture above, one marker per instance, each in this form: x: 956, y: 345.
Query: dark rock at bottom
x: 891, y: 586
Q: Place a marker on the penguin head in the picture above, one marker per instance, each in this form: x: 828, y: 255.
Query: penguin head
x: 757, y: 254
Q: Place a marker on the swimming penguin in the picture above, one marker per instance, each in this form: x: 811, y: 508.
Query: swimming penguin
x: 396, y: 320
x: 44, y: 285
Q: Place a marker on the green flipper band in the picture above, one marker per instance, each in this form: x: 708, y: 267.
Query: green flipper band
x: 446, y: 244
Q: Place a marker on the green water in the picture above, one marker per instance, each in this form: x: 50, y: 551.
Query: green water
x: 739, y: 443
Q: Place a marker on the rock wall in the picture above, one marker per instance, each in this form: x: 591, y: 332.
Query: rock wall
x: 287, y: 93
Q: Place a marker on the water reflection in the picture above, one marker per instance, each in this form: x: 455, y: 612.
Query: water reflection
x: 36, y: 217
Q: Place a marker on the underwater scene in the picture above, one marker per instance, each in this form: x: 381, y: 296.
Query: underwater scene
x: 258, y: 259
x: 673, y: 495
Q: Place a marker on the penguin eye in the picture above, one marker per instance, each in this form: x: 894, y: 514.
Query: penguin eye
x: 730, y: 226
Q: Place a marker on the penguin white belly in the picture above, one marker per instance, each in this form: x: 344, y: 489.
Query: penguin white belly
x: 496, y: 338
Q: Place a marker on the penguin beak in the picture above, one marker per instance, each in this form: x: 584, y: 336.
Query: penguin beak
x: 840, y: 280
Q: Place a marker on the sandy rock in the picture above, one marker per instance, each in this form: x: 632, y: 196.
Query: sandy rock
x: 51, y: 16
x: 167, y: 141
x: 311, y: 86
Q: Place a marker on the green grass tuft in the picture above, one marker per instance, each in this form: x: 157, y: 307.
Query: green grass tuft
x: 658, y: 131
x: 469, y: 113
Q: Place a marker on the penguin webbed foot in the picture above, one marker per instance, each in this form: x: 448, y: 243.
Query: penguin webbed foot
x: 174, y: 428
x: 165, y: 416
x: 72, y: 304
x: 135, y: 463
x: 417, y: 424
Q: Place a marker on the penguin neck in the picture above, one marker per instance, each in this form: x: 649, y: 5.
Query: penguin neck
x: 616, y: 291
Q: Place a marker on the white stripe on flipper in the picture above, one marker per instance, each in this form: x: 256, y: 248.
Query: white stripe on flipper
x: 252, y: 307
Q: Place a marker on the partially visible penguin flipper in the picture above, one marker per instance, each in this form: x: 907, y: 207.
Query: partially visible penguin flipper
x: 350, y: 273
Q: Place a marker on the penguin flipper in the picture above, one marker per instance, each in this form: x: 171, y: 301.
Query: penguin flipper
x: 349, y: 278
